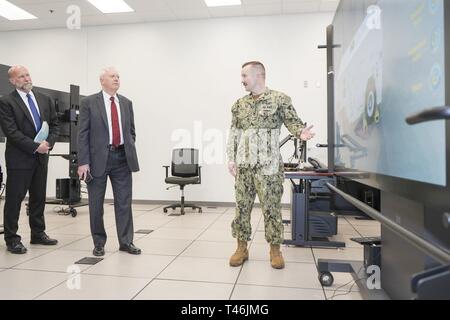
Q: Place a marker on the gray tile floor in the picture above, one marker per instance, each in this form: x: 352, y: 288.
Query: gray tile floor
x: 185, y: 257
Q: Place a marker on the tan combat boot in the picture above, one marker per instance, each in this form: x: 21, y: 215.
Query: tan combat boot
x: 241, y: 254
x: 276, y: 259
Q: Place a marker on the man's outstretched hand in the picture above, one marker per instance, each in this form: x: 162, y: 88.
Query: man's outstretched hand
x: 307, y: 134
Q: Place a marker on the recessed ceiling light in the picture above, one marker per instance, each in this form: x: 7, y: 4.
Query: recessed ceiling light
x: 13, y: 12
x: 111, y: 6
x: 222, y: 3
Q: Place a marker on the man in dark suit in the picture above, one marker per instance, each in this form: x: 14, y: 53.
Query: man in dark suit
x: 22, y: 114
x: 106, y: 148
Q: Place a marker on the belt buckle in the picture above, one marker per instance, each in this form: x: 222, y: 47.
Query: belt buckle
x: 116, y: 148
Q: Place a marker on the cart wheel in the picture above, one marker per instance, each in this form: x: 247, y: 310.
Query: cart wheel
x: 165, y: 210
x: 326, y: 279
x: 73, y: 212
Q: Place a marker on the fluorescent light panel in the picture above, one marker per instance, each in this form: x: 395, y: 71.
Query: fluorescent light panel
x: 13, y: 12
x: 111, y: 6
x: 222, y: 3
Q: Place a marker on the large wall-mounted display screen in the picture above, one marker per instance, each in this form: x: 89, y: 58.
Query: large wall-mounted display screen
x: 390, y: 64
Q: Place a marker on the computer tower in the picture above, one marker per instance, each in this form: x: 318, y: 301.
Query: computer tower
x: 322, y: 224
x: 62, y: 188
x: 68, y: 190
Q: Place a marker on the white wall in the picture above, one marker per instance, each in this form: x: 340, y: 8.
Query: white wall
x: 182, y: 75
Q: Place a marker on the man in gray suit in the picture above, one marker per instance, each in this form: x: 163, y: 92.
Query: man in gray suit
x: 106, y: 147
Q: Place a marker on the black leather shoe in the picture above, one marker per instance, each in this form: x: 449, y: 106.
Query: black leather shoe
x: 44, y: 240
x: 17, y: 248
x: 131, y: 248
x: 98, y: 251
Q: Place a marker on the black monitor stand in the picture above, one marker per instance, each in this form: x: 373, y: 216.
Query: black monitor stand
x: 71, y: 196
x: 2, y: 186
x: 68, y: 191
x: 2, y: 231
x: 369, y: 199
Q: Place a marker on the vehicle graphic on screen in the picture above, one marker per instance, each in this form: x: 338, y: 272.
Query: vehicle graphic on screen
x: 360, y: 75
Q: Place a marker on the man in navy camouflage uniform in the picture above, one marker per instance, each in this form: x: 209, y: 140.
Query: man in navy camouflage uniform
x: 254, y: 159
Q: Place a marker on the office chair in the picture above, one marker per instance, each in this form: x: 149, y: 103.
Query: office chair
x: 185, y: 170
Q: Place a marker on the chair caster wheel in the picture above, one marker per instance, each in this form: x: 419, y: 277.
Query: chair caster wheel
x: 73, y: 212
x: 326, y: 279
x: 165, y: 210
x: 200, y: 210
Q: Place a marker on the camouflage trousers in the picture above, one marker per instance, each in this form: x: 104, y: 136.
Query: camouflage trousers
x: 249, y: 182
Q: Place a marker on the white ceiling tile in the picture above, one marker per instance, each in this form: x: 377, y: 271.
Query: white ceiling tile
x: 263, y: 9
x: 152, y: 16
x: 5, y: 26
x: 186, y: 4
x: 199, y: 13
x: 303, y: 1
x: 19, y: 2
x: 252, y: 2
x: 95, y: 20
x: 148, y: 6
x: 153, y: 10
x: 128, y: 17
x: 156, y: 10
x: 42, y: 8
x: 227, y: 11
x: 329, y: 5
x: 301, y: 6
x: 32, y: 25
x: 86, y: 7
x: 53, y: 10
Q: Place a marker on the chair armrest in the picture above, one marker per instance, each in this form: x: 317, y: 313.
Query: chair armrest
x: 167, y: 170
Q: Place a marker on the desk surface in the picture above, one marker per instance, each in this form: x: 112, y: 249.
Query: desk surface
x: 306, y: 174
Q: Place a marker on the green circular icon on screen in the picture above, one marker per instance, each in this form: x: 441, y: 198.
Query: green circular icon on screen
x: 436, y: 39
x: 433, y: 5
x: 436, y: 76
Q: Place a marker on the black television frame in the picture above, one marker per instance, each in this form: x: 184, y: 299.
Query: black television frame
x: 428, y: 194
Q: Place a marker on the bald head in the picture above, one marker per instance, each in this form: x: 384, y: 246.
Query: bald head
x: 110, y: 80
x: 20, y: 78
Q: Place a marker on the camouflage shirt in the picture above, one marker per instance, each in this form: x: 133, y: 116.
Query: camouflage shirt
x: 255, y: 128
